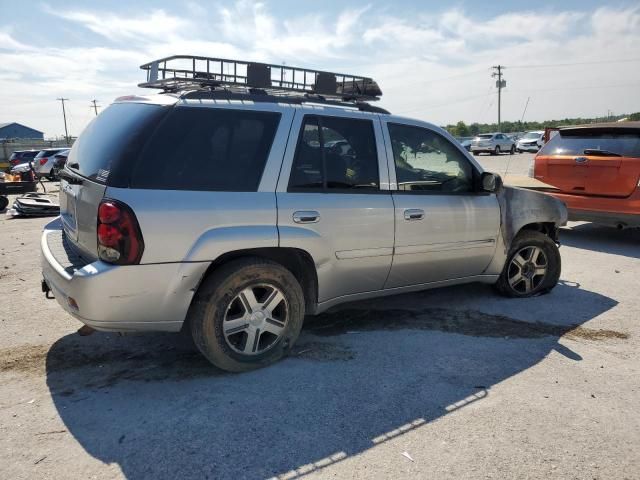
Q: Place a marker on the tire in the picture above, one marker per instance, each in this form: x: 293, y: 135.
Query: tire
x: 224, y: 293
x: 497, y: 150
x: 475, y: 153
x: 528, y: 241
x: 4, y: 201
x: 513, y: 150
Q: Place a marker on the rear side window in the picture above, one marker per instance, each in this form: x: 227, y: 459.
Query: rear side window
x: 207, y: 149
x: 108, y: 145
x: 596, y: 143
x: 336, y: 155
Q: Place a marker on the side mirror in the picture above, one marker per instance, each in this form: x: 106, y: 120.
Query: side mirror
x: 490, y: 182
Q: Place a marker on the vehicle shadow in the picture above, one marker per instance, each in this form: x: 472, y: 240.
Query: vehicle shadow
x: 359, y: 376
x: 599, y: 238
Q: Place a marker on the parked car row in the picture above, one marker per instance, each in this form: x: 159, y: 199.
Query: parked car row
x: 45, y: 163
x: 497, y: 143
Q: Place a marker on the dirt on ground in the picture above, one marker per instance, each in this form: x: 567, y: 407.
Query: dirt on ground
x: 449, y: 383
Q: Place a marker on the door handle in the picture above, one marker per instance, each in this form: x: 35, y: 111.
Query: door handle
x: 306, y: 216
x: 413, y: 214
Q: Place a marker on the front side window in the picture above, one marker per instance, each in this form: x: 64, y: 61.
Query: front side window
x: 335, y: 154
x: 427, y: 162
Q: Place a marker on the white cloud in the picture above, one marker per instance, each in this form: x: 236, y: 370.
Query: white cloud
x: 435, y: 67
x: 154, y: 26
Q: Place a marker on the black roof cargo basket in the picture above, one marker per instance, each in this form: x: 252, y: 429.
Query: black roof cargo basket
x: 187, y: 72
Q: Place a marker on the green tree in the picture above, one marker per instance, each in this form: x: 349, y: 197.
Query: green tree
x: 634, y: 117
x: 461, y: 129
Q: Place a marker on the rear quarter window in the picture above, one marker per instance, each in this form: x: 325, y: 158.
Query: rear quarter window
x: 207, y: 149
x: 108, y: 146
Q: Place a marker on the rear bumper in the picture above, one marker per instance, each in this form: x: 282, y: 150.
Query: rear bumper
x: 108, y: 297
x: 603, y: 210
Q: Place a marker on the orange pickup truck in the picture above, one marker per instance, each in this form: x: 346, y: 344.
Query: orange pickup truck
x: 596, y: 172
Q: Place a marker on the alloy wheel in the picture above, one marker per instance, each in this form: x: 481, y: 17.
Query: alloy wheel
x: 255, y: 319
x: 527, y: 269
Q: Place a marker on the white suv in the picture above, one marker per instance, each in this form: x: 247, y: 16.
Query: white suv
x: 233, y: 213
x: 493, y: 143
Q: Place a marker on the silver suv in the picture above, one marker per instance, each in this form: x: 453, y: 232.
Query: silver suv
x: 493, y: 143
x: 235, y: 214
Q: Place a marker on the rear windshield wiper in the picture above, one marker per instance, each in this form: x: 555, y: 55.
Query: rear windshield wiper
x: 69, y: 178
x: 600, y: 153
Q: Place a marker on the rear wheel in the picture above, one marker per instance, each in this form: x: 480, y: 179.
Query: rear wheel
x: 497, y: 150
x: 513, y: 150
x: 247, y: 314
x: 532, y: 267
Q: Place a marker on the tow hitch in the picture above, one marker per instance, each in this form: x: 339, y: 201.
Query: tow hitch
x: 47, y: 290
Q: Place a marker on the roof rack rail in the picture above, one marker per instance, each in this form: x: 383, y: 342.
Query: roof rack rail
x: 188, y: 72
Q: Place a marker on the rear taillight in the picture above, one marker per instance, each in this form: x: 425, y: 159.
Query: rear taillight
x: 43, y: 160
x: 119, y: 236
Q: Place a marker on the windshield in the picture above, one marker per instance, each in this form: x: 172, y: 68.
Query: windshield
x: 529, y: 135
x: 626, y: 145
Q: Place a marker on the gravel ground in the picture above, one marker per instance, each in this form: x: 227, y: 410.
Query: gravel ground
x: 451, y: 383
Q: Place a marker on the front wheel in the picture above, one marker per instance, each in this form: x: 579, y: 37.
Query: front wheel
x: 532, y: 267
x: 247, y: 314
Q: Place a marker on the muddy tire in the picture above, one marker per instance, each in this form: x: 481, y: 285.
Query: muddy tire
x: 247, y: 314
x: 532, y: 267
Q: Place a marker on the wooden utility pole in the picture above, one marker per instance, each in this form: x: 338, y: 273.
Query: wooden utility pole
x: 497, y: 72
x: 95, y: 106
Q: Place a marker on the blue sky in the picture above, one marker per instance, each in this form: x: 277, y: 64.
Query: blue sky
x: 432, y: 59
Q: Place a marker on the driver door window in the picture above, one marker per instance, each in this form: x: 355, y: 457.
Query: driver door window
x: 427, y: 162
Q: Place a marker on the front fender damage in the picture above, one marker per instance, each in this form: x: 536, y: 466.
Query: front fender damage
x: 520, y: 207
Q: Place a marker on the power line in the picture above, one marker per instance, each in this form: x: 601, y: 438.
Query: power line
x: 597, y: 62
x: 462, y: 100
x: 64, y: 116
x: 584, y: 87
